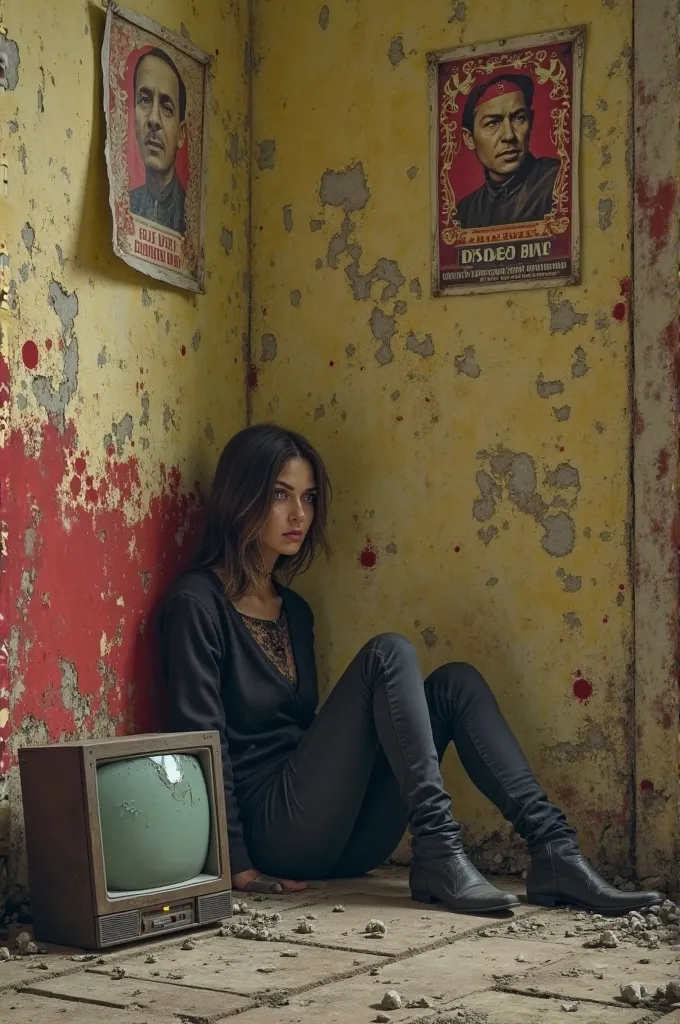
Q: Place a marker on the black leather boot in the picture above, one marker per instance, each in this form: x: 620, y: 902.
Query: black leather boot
x: 559, y: 875
x: 455, y: 882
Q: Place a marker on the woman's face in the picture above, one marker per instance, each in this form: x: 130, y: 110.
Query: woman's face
x: 292, y: 511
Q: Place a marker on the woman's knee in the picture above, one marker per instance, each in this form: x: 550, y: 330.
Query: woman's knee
x: 458, y: 678
x: 391, y: 644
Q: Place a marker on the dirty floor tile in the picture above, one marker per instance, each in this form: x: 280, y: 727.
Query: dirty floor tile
x: 129, y: 993
x: 243, y: 967
x: 21, y: 1008
x: 598, y: 974
x: 502, y: 1008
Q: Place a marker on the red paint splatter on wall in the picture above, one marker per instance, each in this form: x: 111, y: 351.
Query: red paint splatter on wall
x: 95, y: 672
x: 582, y: 689
x: 30, y: 355
x: 657, y: 208
x: 647, y: 786
x: 48, y: 344
x: 662, y: 463
x: 253, y: 379
x: 183, y: 350
x: 368, y: 556
x: 626, y: 286
x: 619, y: 311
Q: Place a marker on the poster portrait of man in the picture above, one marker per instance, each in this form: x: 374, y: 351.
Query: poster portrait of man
x: 156, y: 87
x: 505, y: 123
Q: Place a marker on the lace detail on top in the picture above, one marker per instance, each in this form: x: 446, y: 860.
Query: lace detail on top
x: 273, y: 637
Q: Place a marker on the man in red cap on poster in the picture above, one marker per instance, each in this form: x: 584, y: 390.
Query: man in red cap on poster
x: 497, y: 123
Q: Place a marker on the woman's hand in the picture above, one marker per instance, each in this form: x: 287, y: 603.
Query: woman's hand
x: 242, y: 882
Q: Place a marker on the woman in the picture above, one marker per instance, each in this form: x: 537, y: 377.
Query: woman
x: 329, y: 795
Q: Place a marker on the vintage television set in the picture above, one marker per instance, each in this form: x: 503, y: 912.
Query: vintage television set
x: 126, y: 837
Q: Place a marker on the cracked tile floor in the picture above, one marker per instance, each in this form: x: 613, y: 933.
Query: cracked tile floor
x: 447, y: 969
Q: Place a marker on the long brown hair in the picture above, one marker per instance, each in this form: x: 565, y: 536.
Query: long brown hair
x: 239, y: 502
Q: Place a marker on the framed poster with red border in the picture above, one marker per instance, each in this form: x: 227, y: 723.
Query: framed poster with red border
x: 505, y: 125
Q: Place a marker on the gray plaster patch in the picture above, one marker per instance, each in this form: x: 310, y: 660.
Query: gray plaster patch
x: 590, y: 127
x: 23, y: 155
x: 605, y: 210
x: 102, y: 357
x: 295, y: 298
x: 562, y: 413
x: 288, y: 218
x: 579, y: 367
x: 209, y: 433
x: 13, y: 127
x: 350, y: 350
x: 620, y: 599
x: 27, y: 234
x: 563, y: 316
x: 411, y: 172
x: 324, y: 17
x: 467, y: 363
x: 559, y: 534
x: 602, y: 322
x: 429, y: 637
x: 318, y: 264
x: 484, y: 507
x: 144, y: 418
x: 316, y: 223
x: 563, y: 477
x: 487, y: 534
x: 22, y: 402
x: 347, y: 189
x: 24, y: 271
x: 146, y: 298
x: 395, y: 396
x: 572, y: 620
x: 570, y: 583
x: 415, y: 288
x: 606, y: 536
x: 60, y: 256
x: 548, y: 388
x: 168, y: 417
x: 268, y: 348
x: 395, y: 52
x: 10, y: 52
x: 319, y: 412
x: 386, y: 271
x: 422, y: 347
x: 266, y: 154
x: 55, y: 400
x: 492, y: 581
x: 196, y: 340
x: 392, y: 549
x: 41, y: 101
x: 459, y: 12
x: 400, y: 307
x: 383, y: 329
x: 122, y: 432
x: 227, y: 241
x: 71, y: 697
x: 232, y: 148
x: 605, y: 156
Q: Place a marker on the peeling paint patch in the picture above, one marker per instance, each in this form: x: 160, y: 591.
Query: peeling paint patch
x: 122, y: 432
x: 24, y: 271
x: 459, y: 12
x: 548, y: 388
x: 395, y: 52
x: 60, y: 256
x: 412, y: 172
x: 268, y: 348
x: 572, y: 620
x: 605, y: 211
x: 562, y: 413
x: 484, y: 507
x: 563, y: 316
x: 316, y: 223
x: 144, y: 418
x: 227, y: 241
x: 571, y: 584
x: 146, y: 298
x: 392, y: 549
x: 295, y: 298
x: 487, y: 534
x: 288, y: 218
x: 492, y: 581
x: 23, y: 157
x: 266, y: 154
x: 467, y: 363
x: 400, y: 308
x: 422, y: 347
x: 13, y: 127
x: 415, y: 288
x: 383, y: 329
x: 563, y: 477
x: 319, y: 412
x: 10, y: 52
x: 55, y: 400
x: 579, y: 367
x: 429, y: 637
x: 347, y: 189
x: 324, y: 17
x: 386, y: 271
x: 590, y: 127
x: 28, y: 237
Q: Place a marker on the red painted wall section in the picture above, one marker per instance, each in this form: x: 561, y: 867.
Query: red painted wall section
x: 79, y: 589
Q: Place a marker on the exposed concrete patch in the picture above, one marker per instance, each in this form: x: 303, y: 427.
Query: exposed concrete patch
x: 122, y: 432
x: 562, y: 413
x: 385, y: 270
x: 412, y: 172
x: 288, y: 218
x: 340, y: 243
x: 347, y: 189
x: 60, y: 256
x: 295, y: 298
x: 563, y: 477
x: 487, y: 534
x: 24, y: 271
x: 102, y: 357
x: 563, y: 316
x: 571, y: 584
x: 560, y: 534
x: 196, y: 340
x: 415, y: 288
x: 324, y: 17
x: 424, y: 347
x: 41, y: 101
x: 319, y: 412
x: 392, y: 549
x: 484, y: 507
x: 168, y: 418
x: 233, y: 148
x: 400, y: 308
x: 350, y: 350
x: 492, y: 581
x: 28, y: 234
x: 268, y: 348
x: 23, y: 156
x: 10, y: 51
x: 383, y: 329
x: 605, y: 211
x: 316, y: 223
x: 13, y: 127
x: 467, y: 362
x: 579, y: 367
x: 429, y: 637
x: 144, y: 418
x: 55, y: 400
x: 548, y: 388
x: 266, y: 154
x: 227, y: 241
x: 459, y: 12
x: 146, y: 298
x: 395, y: 52
x: 590, y: 127
x: 572, y: 620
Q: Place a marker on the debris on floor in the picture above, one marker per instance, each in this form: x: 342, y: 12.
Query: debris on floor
x: 375, y: 929
x: 391, y: 1000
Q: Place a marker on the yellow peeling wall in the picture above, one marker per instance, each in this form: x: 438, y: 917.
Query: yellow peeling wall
x: 439, y: 437
x: 121, y: 392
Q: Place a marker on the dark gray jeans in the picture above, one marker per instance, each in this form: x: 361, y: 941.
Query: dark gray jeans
x: 369, y: 765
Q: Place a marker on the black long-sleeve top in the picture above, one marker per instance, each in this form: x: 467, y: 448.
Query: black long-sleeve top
x: 219, y: 678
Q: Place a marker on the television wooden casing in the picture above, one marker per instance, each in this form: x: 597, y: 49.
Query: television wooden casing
x: 69, y: 898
